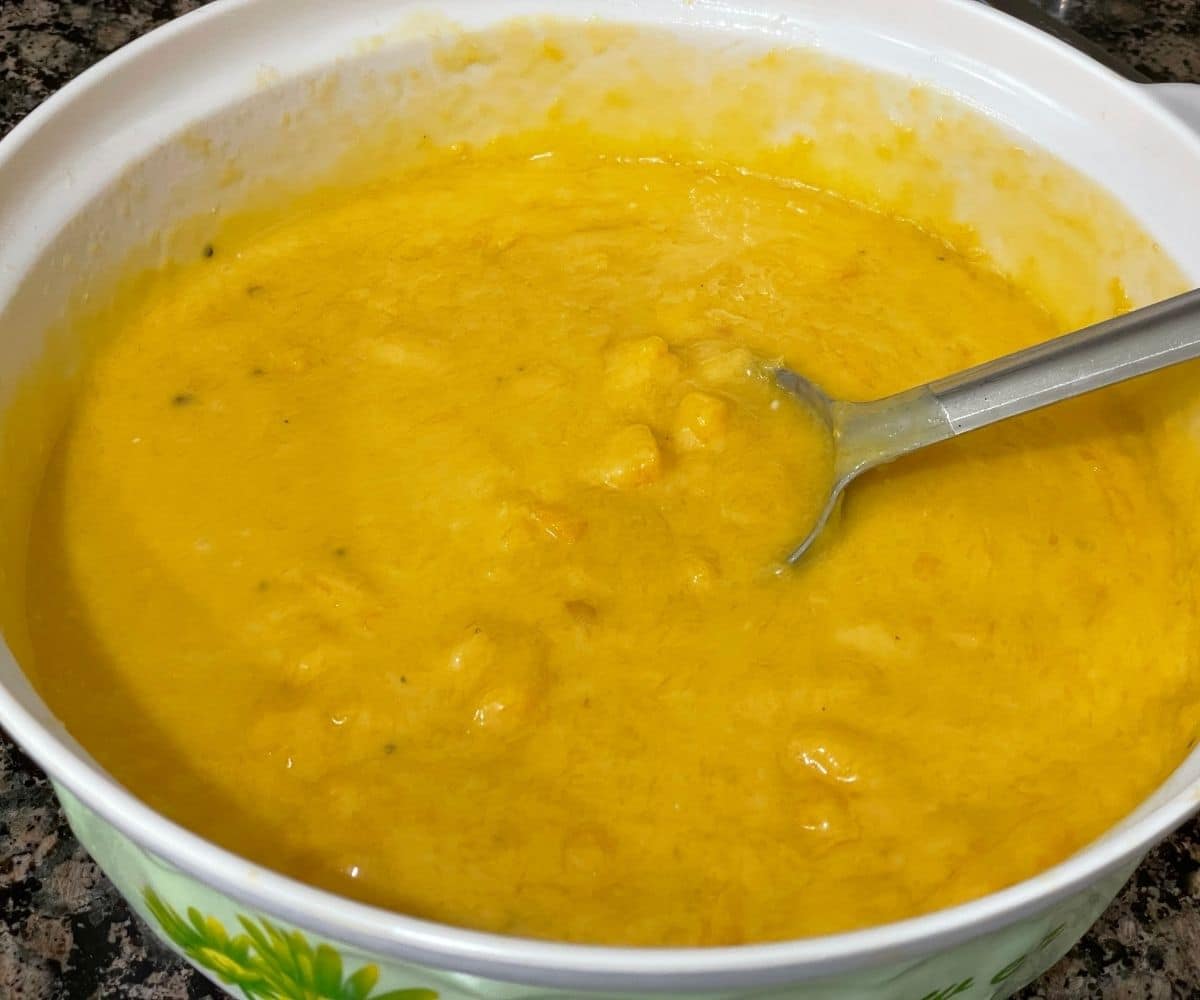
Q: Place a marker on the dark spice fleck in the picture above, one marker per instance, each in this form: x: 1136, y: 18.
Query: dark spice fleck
x: 257, y: 371
x: 582, y: 611
x: 403, y: 679
x: 389, y: 748
x: 182, y: 399
x: 208, y: 250
x: 340, y: 551
x: 263, y: 585
x: 286, y: 421
x: 253, y: 289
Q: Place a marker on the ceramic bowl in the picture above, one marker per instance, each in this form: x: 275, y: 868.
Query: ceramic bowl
x: 111, y: 163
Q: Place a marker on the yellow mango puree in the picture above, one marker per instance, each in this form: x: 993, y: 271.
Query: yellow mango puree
x: 425, y: 546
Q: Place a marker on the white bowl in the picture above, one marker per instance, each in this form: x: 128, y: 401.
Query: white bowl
x: 109, y: 162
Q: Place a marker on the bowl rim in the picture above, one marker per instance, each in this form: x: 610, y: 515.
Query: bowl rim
x: 547, y: 962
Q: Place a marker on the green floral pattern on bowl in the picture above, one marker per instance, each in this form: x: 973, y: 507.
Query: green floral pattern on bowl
x: 266, y: 962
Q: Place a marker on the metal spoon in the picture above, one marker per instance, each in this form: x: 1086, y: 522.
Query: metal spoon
x: 869, y: 434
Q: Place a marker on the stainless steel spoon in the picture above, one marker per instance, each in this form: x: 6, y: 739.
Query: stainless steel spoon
x: 869, y: 434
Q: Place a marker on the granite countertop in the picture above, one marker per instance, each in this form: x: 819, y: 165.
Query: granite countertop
x: 64, y: 931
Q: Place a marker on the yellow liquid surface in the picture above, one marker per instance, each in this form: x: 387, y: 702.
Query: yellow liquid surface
x: 425, y: 547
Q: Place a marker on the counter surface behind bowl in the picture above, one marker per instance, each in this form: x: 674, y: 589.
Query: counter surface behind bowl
x: 64, y: 931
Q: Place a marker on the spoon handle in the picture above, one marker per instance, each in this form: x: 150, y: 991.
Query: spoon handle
x: 1117, y: 349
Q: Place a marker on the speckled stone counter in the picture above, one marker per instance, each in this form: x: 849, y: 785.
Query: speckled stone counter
x: 64, y: 932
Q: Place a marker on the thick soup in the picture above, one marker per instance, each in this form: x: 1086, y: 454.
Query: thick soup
x: 426, y: 546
